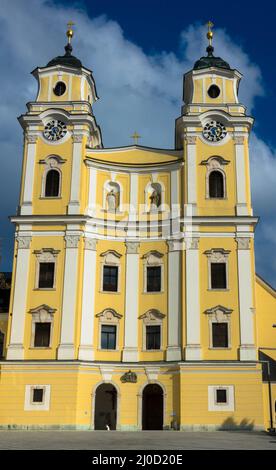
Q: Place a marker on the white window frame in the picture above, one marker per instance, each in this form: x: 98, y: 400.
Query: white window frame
x: 215, y: 163
x: 219, y: 314
x: 212, y: 398
x: 42, y: 314
x: 108, y: 317
x: 152, y: 317
x: 52, y: 162
x: 45, y: 255
x: 30, y: 405
x: 217, y: 255
x: 151, y: 259
x: 110, y: 258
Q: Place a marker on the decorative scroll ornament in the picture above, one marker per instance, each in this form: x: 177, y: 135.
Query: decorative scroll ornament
x: 192, y: 243
x: 72, y: 241
x: 132, y: 247
x: 130, y: 377
x: 243, y: 243
x: 90, y: 244
x: 24, y: 242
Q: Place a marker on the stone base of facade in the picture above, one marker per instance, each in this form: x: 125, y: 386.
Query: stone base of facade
x: 74, y: 392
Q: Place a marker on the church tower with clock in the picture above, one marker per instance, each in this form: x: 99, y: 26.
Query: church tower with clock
x: 135, y: 303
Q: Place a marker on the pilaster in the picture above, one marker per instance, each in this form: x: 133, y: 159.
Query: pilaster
x: 174, y: 300
x: 246, y: 309
x: 16, y: 346
x: 27, y: 201
x: 86, y: 348
x: 130, y: 350
x: 66, y: 348
x: 193, y: 347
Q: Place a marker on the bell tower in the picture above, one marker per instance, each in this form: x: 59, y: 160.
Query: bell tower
x: 57, y: 127
x: 213, y: 123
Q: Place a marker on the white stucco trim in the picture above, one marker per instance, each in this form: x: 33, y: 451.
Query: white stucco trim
x: 86, y: 348
x: 130, y: 351
x: 193, y: 348
x: 15, y: 348
x: 213, y: 405
x: 173, y: 352
x: 66, y: 347
x: 29, y: 405
x: 246, y: 305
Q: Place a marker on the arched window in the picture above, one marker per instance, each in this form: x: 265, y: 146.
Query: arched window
x: 216, y: 186
x: 2, y: 336
x: 52, y: 183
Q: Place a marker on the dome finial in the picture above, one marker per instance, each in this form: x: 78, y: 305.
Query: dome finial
x: 209, y: 35
x: 70, y: 31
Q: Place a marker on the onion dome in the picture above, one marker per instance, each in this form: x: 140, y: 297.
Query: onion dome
x: 210, y: 60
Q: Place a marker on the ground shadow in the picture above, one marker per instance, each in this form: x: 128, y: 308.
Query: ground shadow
x: 230, y: 424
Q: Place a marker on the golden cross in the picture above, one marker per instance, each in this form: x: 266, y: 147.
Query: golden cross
x: 70, y: 31
x: 210, y: 32
x: 135, y: 136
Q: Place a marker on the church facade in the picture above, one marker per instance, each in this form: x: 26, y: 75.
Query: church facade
x: 134, y: 300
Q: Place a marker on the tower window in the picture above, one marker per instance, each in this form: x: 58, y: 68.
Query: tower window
x: 59, y: 89
x: 153, y: 336
x: 110, y: 278
x: 38, y: 394
x: 42, y: 335
x: 108, y: 337
x: 46, y: 275
x: 216, y: 186
x: 220, y: 335
x: 153, y: 278
x: 218, y: 276
x: 221, y: 395
x: 214, y: 91
x: 52, y: 183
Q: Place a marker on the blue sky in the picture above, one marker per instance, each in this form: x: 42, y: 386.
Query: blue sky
x: 138, y: 52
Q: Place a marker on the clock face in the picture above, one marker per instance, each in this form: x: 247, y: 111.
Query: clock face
x: 214, y: 131
x: 55, y: 130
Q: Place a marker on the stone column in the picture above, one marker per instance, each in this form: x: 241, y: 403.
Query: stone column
x: 130, y: 351
x: 193, y: 346
x: 174, y: 301
x: 241, y: 207
x: 191, y: 172
x: 16, y: 346
x: 66, y: 348
x: 86, y: 348
x: 27, y: 201
x: 247, y: 346
x: 74, y: 203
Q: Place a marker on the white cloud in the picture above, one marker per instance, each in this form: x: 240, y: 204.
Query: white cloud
x: 137, y: 91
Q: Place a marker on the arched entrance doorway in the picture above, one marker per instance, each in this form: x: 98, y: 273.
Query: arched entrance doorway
x: 105, y: 407
x: 152, y: 407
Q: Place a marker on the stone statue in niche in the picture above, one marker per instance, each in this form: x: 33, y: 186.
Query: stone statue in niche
x: 155, y: 199
x: 111, y: 200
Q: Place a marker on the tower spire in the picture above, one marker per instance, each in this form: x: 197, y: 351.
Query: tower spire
x: 210, y: 34
x: 69, y: 33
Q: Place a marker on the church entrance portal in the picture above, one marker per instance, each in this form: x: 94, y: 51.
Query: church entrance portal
x: 152, y: 407
x: 105, y: 407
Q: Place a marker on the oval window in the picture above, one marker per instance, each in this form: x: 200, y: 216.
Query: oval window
x: 214, y: 91
x: 60, y: 88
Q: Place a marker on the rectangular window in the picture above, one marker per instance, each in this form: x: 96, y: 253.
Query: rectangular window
x: 221, y: 395
x: 46, y: 275
x: 108, y: 337
x: 110, y: 278
x: 153, y: 278
x: 38, y: 395
x: 218, y: 276
x: 220, y: 335
x: 42, y: 335
x: 153, y: 337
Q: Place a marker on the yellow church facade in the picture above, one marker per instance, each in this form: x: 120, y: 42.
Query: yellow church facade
x: 134, y: 302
